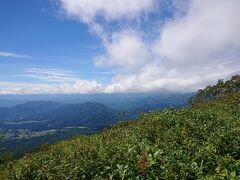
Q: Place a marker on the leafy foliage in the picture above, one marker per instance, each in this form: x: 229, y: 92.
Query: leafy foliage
x: 201, y: 142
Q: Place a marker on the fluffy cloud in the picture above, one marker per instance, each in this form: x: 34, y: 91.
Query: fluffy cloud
x: 208, y: 32
x: 126, y: 49
x: 89, y: 10
x: 154, y: 77
x: 82, y: 87
x: 191, y: 51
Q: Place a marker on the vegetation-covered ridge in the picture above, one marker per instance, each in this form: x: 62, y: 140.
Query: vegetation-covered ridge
x: 201, y: 142
x: 217, y: 91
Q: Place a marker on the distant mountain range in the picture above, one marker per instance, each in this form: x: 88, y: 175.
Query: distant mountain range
x: 83, y: 114
x: 26, y: 110
x: 120, y: 101
x: 44, y: 115
x: 49, y: 118
x: 47, y: 115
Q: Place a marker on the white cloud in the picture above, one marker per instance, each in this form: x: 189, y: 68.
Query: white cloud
x: 55, y: 81
x: 151, y: 77
x: 208, y: 32
x: 97, y: 14
x: 25, y: 88
x: 13, y: 55
x: 192, y: 51
x: 89, y: 10
x: 126, y: 49
x: 52, y: 75
x: 80, y: 87
x: 198, y: 45
x: 154, y: 77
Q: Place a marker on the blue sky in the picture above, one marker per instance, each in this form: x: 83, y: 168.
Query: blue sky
x: 34, y: 29
x: 87, y: 46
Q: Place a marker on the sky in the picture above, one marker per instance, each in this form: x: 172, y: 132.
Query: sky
x: 106, y: 46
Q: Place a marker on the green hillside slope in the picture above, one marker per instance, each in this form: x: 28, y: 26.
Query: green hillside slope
x: 201, y: 142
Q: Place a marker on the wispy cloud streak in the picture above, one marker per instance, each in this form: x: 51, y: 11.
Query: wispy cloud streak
x: 13, y: 55
x: 51, y: 75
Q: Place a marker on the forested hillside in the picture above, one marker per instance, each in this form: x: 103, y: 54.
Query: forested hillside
x: 200, y: 142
